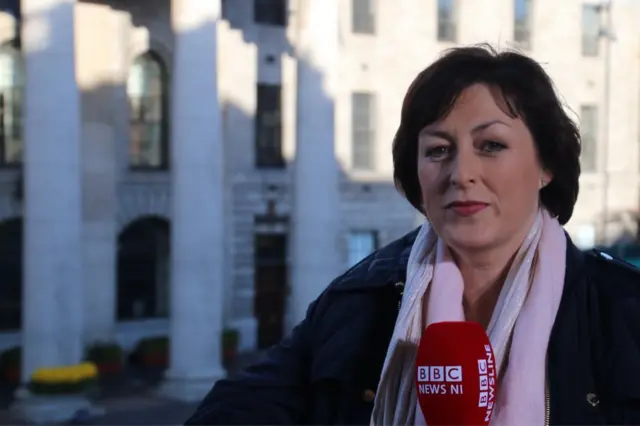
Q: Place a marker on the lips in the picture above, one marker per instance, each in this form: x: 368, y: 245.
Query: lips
x: 466, y: 208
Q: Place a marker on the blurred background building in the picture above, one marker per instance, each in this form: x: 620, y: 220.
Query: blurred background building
x: 124, y: 64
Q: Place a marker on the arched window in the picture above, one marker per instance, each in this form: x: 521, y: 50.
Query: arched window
x: 11, y: 94
x: 146, y: 89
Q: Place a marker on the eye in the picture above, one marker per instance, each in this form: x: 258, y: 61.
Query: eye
x: 492, y: 146
x: 437, y: 152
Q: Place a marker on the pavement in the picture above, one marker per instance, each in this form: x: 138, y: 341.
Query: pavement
x: 131, y: 399
x: 144, y: 411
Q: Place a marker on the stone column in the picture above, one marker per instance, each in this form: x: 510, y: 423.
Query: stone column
x: 316, y: 207
x: 197, y: 227
x: 52, y: 289
x: 99, y: 231
x: 99, y: 164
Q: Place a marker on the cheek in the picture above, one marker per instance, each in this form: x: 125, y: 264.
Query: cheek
x: 517, y: 187
x: 428, y: 177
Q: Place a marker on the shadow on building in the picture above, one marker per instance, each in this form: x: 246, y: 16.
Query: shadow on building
x: 142, y: 246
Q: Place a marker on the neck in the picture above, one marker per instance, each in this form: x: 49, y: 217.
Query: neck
x: 483, y: 280
x: 484, y: 272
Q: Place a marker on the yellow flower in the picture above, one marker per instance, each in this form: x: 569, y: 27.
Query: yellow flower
x: 65, y: 374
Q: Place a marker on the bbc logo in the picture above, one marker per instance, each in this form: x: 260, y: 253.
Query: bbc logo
x: 482, y: 366
x: 439, y: 374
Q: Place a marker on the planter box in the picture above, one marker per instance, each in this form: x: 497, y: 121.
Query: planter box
x: 11, y: 375
x: 106, y: 368
x: 156, y: 360
x: 60, y: 389
x: 49, y: 409
x: 107, y: 357
x: 229, y: 354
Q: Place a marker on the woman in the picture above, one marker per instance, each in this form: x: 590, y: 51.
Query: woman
x: 487, y: 153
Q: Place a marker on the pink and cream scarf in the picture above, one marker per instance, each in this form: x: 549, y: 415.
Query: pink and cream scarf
x: 519, y: 329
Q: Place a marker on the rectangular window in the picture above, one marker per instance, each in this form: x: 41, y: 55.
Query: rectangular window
x: 447, y: 20
x: 270, y: 12
x: 522, y: 23
x: 363, y: 17
x: 589, y: 136
x: 363, y: 134
x: 11, y: 125
x: 268, y: 137
x: 590, y: 29
x: 361, y: 244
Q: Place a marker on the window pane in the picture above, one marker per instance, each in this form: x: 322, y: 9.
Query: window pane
x: 145, y: 88
x: 360, y: 245
x: 135, y: 107
x: 152, y: 109
x: 11, y: 90
x: 12, y: 134
x: 362, y: 16
x: 154, y: 86
x: 151, y: 146
x: 522, y: 24
x: 270, y: 12
x: 135, y: 84
x: 446, y: 20
x: 590, y: 30
x: 589, y: 136
x: 17, y: 95
x: 136, y: 137
x: 11, y: 70
x: 146, y: 146
x: 363, y: 133
x: 522, y: 8
x: 362, y: 156
x: 268, y: 137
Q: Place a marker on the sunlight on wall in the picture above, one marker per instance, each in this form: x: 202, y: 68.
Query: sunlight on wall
x: 190, y: 15
x: 237, y: 69
x: 8, y: 27
x: 319, y: 20
x: 38, y: 28
x: 94, y: 67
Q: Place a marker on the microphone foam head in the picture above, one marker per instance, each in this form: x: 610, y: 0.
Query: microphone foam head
x: 456, y: 375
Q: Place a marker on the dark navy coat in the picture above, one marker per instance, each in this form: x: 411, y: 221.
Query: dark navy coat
x: 327, y: 372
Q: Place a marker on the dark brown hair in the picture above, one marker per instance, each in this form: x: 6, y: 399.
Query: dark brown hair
x: 528, y: 93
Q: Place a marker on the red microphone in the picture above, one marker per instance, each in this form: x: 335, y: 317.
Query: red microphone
x: 456, y: 374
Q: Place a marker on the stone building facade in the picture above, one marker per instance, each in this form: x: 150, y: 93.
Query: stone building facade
x: 160, y: 82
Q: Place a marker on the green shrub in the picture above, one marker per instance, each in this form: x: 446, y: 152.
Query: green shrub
x: 104, y: 353
x: 153, y: 345
x: 230, y: 338
x: 11, y: 358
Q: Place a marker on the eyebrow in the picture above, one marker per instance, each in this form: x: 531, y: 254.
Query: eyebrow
x: 444, y: 135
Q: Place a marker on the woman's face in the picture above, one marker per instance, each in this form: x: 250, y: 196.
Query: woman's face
x: 479, y: 173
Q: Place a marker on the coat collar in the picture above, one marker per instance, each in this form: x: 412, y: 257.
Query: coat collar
x: 388, y: 266
x: 383, y: 268
x: 574, y: 272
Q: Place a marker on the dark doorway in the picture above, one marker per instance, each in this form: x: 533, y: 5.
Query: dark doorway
x: 270, y: 281
x: 143, y: 269
x: 11, y: 274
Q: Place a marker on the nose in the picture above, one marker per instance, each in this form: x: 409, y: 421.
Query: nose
x: 463, y: 170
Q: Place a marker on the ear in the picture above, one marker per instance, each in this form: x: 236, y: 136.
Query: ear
x: 545, y: 178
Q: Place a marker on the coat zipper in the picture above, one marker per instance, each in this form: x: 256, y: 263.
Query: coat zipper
x: 547, y: 395
x: 547, y: 414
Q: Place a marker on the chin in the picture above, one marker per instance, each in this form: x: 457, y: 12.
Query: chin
x: 468, y: 238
